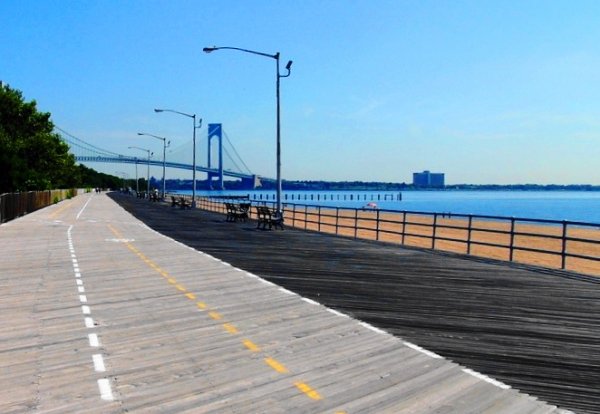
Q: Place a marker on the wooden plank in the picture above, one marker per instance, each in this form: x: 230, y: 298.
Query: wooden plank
x: 176, y: 330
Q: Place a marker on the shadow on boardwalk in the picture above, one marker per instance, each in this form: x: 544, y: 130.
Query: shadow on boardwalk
x: 537, y: 331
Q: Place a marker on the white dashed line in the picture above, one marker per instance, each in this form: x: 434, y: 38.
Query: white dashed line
x: 103, y: 384
x: 371, y: 327
x: 94, y: 341
x: 312, y: 302
x: 422, y: 350
x: 486, y: 379
x: 98, y: 363
x: 105, y: 391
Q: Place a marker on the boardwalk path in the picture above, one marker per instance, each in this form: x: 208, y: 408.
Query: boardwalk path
x: 100, y: 314
x: 538, y: 331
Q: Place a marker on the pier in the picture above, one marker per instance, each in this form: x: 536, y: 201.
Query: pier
x: 154, y: 308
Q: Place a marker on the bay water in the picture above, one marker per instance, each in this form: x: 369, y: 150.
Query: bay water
x: 582, y: 206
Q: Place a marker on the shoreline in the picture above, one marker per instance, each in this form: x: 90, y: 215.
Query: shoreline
x: 484, y: 233
x: 538, y: 244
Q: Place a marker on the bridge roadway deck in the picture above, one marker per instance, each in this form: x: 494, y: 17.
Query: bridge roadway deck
x: 101, y: 314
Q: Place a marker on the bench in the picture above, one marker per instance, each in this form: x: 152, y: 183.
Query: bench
x: 181, y: 202
x: 237, y: 212
x: 184, y: 204
x: 267, y: 217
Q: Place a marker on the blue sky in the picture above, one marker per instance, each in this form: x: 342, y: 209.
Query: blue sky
x: 485, y: 91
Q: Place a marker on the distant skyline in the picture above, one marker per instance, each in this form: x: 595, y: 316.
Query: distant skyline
x: 487, y: 92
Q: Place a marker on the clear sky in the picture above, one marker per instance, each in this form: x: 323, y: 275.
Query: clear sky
x: 484, y: 91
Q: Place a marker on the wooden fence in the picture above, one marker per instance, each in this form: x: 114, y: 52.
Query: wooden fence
x: 13, y: 205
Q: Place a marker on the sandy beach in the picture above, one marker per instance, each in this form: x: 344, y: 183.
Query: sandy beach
x: 452, y: 235
x: 540, y: 237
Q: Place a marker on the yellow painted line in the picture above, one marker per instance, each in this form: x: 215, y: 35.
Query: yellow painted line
x: 215, y: 315
x: 172, y: 281
x: 230, y: 328
x: 250, y: 345
x: 306, y: 389
x: 60, y: 209
x: 181, y: 288
x: 190, y: 296
x: 115, y: 232
x: 165, y: 274
x: 276, y: 365
x: 201, y: 305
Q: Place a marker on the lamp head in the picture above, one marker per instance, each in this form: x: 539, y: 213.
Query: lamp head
x: 139, y: 133
x: 289, y: 65
x: 158, y: 110
x: 209, y: 49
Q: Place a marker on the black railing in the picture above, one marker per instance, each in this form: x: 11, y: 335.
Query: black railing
x: 569, y: 245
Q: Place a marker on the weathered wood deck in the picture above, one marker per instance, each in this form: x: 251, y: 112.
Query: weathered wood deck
x: 536, y: 330
x: 99, y: 314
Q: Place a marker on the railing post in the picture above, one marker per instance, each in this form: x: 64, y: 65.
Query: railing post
x: 403, y: 226
x: 377, y: 228
x: 355, y: 222
x: 319, y: 220
x: 305, y: 215
x: 469, y: 234
x: 337, y: 217
x: 294, y: 215
x: 563, y: 252
x: 434, y: 231
x: 512, y: 239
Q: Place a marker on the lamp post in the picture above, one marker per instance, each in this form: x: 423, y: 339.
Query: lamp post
x: 124, y: 174
x: 137, y: 180
x: 165, y: 145
x: 148, y: 177
x: 278, y: 76
x: 194, y: 148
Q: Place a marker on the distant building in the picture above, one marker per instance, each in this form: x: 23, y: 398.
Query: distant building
x: 428, y: 179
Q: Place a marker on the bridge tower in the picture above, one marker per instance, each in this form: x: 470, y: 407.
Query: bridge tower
x: 215, y: 131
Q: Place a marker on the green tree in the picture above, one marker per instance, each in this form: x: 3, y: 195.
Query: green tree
x: 32, y: 156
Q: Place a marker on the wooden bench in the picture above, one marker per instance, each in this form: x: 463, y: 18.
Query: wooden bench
x: 267, y: 217
x: 174, y: 202
x: 184, y: 204
x: 237, y: 212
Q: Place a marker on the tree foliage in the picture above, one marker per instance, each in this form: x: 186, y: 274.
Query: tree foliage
x: 32, y: 156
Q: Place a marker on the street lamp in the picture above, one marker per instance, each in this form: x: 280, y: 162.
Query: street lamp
x: 277, y: 76
x: 194, y: 148
x: 124, y: 174
x: 165, y: 145
x: 148, y: 178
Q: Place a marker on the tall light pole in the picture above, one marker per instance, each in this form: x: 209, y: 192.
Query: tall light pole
x: 124, y: 174
x: 278, y: 76
x: 194, y: 148
x: 148, y: 177
x: 137, y: 180
x: 165, y: 145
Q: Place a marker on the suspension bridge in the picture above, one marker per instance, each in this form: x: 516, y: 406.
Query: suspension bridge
x: 228, y: 161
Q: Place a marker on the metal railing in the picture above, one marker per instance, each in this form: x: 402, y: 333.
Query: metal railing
x: 13, y: 205
x: 568, y: 245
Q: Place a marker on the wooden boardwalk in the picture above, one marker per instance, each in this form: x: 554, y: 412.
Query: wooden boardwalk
x: 100, y: 314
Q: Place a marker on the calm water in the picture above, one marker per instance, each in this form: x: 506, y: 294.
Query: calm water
x: 552, y: 205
